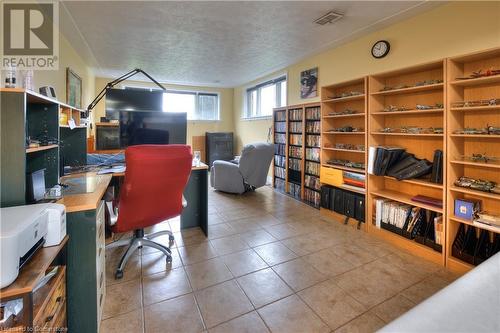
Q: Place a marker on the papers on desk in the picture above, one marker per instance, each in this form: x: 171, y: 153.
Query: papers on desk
x: 118, y: 168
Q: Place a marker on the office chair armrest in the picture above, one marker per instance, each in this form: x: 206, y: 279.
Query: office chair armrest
x: 113, y: 213
x: 184, y: 202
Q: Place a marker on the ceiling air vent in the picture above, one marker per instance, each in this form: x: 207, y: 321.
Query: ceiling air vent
x: 330, y: 17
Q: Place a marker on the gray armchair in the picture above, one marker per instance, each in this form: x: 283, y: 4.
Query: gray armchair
x: 247, y: 174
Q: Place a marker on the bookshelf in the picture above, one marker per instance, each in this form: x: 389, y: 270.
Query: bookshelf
x: 343, y: 136
x: 297, y: 138
x: 462, y: 88
x: 409, y: 97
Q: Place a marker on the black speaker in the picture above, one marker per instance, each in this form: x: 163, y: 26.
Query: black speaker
x: 325, y: 196
x: 360, y: 208
x: 338, y: 201
x: 349, y: 204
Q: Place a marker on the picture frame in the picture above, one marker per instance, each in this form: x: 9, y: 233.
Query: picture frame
x: 73, y: 88
x: 309, y: 83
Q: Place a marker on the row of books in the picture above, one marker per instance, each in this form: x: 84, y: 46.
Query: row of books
x: 280, y: 127
x: 295, y: 114
x: 295, y: 152
x: 313, y: 113
x: 279, y: 184
x: 294, y: 190
x: 280, y: 116
x: 279, y: 149
x: 296, y: 139
x: 279, y: 138
x: 312, y: 168
x: 354, y: 179
x: 279, y: 161
x: 296, y: 127
x: 312, y: 154
x: 313, y: 126
x: 411, y: 222
x: 312, y: 182
x: 312, y: 197
x: 294, y: 164
x: 279, y: 172
x: 313, y: 141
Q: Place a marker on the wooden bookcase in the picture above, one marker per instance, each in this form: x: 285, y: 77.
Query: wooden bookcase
x: 409, y: 87
x: 293, y: 129
x: 462, y: 145
x: 336, y: 100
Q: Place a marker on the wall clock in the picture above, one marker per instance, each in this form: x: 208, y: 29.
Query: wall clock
x: 380, y: 49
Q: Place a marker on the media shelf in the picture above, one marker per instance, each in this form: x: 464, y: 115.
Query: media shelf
x: 409, y: 97
x: 462, y: 87
x: 297, y: 142
x: 340, y: 111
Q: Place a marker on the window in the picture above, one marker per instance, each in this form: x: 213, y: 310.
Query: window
x: 261, y: 99
x: 197, y: 105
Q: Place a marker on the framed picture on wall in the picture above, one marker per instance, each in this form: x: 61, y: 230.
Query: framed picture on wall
x: 309, y: 83
x: 73, y: 89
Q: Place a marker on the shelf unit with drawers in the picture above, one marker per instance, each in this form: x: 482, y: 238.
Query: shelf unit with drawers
x: 344, y: 105
x: 395, y: 102
x: 461, y: 88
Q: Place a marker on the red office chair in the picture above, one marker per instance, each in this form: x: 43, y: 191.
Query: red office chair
x: 151, y: 193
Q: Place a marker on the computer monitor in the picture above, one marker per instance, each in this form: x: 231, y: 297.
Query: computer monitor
x: 154, y: 127
x: 132, y: 100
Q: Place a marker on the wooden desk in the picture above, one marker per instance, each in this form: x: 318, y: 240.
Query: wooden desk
x: 196, y: 194
x: 85, y: 201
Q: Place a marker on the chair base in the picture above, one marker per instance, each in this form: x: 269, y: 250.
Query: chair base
x: 137, y: 242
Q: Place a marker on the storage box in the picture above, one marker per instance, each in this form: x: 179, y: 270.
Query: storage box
x: 466, y: 208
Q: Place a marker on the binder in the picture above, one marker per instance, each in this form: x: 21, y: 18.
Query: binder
x: 437, y: 167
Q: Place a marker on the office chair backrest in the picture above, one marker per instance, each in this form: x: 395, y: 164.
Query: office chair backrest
x: 155, y: 179
x: 255, y: 161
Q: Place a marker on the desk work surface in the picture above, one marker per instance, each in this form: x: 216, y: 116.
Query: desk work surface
x: 85, y: 201
x: 202, y: 166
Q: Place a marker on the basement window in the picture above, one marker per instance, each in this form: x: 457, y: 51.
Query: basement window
x: 262, y: 98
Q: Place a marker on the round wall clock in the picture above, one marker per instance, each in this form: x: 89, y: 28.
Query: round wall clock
x: 380, y: 49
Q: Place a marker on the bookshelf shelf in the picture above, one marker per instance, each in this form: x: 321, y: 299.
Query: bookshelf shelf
x: 41, y: 148
x: 339, y: 174
x: 422, y: 145
x: 476, y: 89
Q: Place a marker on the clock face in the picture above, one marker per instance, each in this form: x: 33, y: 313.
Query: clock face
x: 380, y: 49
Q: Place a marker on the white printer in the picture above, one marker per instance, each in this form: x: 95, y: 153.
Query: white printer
x: 23, y: 230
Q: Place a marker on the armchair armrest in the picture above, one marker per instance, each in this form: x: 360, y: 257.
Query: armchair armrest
x: 226, y: 176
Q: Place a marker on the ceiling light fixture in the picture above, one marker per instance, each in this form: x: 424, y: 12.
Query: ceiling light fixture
x: 329, y: 18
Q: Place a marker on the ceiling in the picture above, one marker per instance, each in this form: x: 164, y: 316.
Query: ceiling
x: 216, y: 43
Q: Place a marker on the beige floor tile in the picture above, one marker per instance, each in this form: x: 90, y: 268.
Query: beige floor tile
x: 165, y: 285
x: 264, y: 287
x: 122, y: 298
x: 215, y: 218
x: 229, y: 244
x: 197, y: 252
x: 208, y: 273
x: 220, y: 230
x: 415, y: 265
x: 163, y: 240
x: 244, y: 262
x: 303, y: 244
x: 267, y: 220
x: 244, y: 225
x: 366, y: 323
x: 257, y: 237
x: 127, y: 322
x: 282, y: 231
x: 298, y: 274
x: 132, y: 269
x: 422, y: 290
x: 274, y: 253
x: 248, y: 323
x: 222, y: 302
x: 331, y: 303
x: 176, y: 315
x: 184, y: 239
x: 353, y: 254
x: 447, y: 275
x: 328, y: 263
x: 156, y: 262
x: 392, y: 308
x: 291, y: 315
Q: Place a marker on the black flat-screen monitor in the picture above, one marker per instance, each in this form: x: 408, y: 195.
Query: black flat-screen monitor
x: 129, y: 100
x: 138, y: 128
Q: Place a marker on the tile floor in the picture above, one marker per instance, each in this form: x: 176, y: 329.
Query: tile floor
x: 270, y: 263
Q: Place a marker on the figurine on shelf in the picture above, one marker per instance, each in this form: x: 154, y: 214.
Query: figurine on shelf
x: 471, y: 130
x: 429, y: 107
x: 477, y: 184
x: 347, y: 94
x: 349, y: 164
x: 483, y: 158
x: 479, y: 73
x: 393, y: 108
x: 343, y: 112
x: 428, y: 82
x: 483, y: 102
x: 346, y: 129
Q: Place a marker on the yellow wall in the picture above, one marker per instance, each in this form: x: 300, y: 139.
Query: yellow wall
x: 195, y: 127
x: 452, y: 29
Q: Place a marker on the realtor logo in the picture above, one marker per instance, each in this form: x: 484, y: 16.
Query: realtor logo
x: 30, y: 34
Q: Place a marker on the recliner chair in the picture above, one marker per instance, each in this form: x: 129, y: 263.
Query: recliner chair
x: 249, y: 173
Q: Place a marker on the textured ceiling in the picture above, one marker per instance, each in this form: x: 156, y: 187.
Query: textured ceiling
x: 216, y: 43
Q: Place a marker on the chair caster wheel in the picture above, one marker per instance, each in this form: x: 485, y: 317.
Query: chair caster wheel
x: 169, y: 260
x: 171, y: 238
x: 118, y: 275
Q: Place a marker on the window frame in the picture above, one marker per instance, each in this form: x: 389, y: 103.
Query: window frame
x: 257, y: 88
x: 197, y: 94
